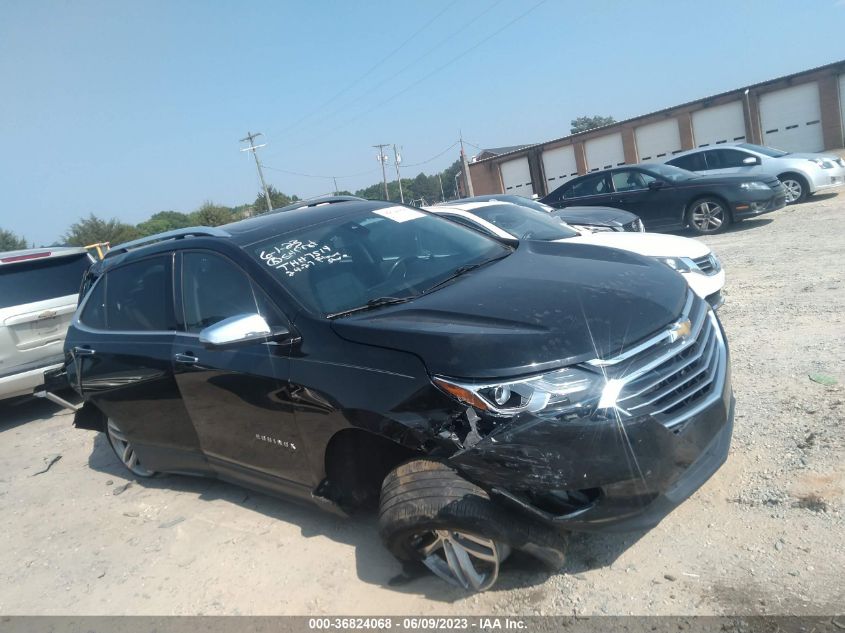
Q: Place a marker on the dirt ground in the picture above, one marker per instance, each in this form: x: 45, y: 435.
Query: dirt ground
x: 764, y: 535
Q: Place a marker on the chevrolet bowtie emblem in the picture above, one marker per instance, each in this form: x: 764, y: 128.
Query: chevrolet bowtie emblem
x: 680, y: 330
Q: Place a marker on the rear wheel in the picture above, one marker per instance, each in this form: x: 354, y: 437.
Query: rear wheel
x: 796, y: 187
x: 428, y: 513
x: 122, y: 447
x: 708, y: 215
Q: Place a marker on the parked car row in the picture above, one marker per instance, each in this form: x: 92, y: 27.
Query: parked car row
x: 487, y: 387
x: 705, y: 189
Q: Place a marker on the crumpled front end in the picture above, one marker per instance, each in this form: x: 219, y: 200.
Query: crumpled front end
x: 625, y: 466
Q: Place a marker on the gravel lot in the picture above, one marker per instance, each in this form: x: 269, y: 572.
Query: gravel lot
x: 764, y: 535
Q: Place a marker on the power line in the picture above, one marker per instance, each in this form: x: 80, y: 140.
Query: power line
x: 355, y: 82
x: 440, y: 43
x: 383, y: 102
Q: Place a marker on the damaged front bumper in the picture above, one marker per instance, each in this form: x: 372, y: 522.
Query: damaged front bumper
x: 602, y: 476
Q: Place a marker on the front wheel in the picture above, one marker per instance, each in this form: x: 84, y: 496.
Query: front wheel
x: 796, y: 187
x: 708, y: 215
x: 430, y: 514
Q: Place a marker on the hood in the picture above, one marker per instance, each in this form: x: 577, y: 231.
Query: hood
x: 812, y: 156
x: 602, y: 216
x: 647, y: 244
x: 545, y: 306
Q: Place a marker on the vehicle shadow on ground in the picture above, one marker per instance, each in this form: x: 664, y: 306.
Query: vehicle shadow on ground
x: 374, y: 564
x: 18, y: 411
x: 738, y: 227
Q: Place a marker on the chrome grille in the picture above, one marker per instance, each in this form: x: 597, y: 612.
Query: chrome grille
x: 708, y: 264
x: 668, y: 378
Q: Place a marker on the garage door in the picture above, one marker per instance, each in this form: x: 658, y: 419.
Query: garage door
x: 791, y: 118
x: 516, y: 177
x: 658, y: 140
x: 604, y: 152
x: 559, y: 166
x: 719, y: 124
x: 842, y: 104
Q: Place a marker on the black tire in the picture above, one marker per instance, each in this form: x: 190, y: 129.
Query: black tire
x: 708, y: 215
x: 795, y: 184
x: 423, y: 495
x: 123, y: 450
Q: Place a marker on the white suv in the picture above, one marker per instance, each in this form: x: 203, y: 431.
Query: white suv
x: 38, y: 296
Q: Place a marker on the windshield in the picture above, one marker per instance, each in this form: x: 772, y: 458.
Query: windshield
x: 41, y: 279
x: 525, y: 223
x: 671, y: 173
x: 523, y: 202
x: 395, y: 252
x: 766, y: 151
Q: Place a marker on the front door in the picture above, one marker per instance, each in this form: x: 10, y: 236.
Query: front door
x: 656, y: 207
x: 238, y: 397
x: 121, y: 361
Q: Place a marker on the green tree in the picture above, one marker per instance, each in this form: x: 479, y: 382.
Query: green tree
x: 164, y: 221
x: 277, y: 200
x: 92, y: 230
x: 422, y: 188
x: 584, y: 123
x: 11, y: 242
x: 210, y: 214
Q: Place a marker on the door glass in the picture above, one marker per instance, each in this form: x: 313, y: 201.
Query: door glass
x: 730, y: 157
x: 692, y: 162
x: 589, y: 186
x: 138, y: 296
x: 94, y: 313
x: 213, y: 289
x: 630, y: 180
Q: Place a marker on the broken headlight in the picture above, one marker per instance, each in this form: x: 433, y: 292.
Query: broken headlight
x: 569, y: 390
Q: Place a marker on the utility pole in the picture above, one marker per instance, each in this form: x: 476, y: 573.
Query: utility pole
x: 250, y: 137
x: 398, y: 159
x: 335, y: 185
x: 442, y: 195
x: 382, y: 158
x: 467, y: 179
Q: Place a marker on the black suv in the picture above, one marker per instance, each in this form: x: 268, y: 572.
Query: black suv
x: 668, y: 198
x: 486, y: 396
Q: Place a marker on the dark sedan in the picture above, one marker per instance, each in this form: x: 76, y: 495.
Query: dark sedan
x: 667, y: 197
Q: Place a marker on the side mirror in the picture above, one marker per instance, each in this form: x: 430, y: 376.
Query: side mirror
x: 242, y: 328
x: 654, y: 185
x: 751, y: 160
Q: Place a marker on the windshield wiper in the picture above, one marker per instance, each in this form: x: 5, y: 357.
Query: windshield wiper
x: 371, y: 304
x: 462, y: 270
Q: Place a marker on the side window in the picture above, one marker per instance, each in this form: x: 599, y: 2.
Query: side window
x: 213, y: 289
x: 590, y: 186
x: 731, y: 157
x: 631, y: 180
x: 138, y: 296
x: 94, y: 313
x: 691, y: 162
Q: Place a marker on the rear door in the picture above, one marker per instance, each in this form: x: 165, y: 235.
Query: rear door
x: 238, y: 397
x: 590, y: 190
x: 121, y: 361
x: 38, y: 296
x: 729, y: 161
x: 658, y: 208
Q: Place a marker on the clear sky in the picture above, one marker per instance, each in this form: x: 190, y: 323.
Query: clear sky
x: 127, y: 108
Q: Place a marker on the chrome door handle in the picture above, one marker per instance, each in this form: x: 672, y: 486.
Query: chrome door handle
x: 185, y: 359
x: 83, y: 351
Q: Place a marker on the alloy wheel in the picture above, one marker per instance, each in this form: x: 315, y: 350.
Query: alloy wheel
x: 125, y: 452
x: 460, y: 558
x: 794, y: 189
x: 708, y: 216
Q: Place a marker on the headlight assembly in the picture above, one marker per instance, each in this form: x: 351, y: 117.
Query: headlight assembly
x: 569, y: 390
x: 754, y: 186
x: 681, y: 264
x: 590, y: 228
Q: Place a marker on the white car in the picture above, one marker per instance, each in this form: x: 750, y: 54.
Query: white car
x: 801, y: 174
x: 38, y: 296
x: 691, y: 258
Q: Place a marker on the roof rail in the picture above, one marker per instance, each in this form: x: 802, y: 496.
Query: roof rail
x: 313, y: 202
x: 176, y: 234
